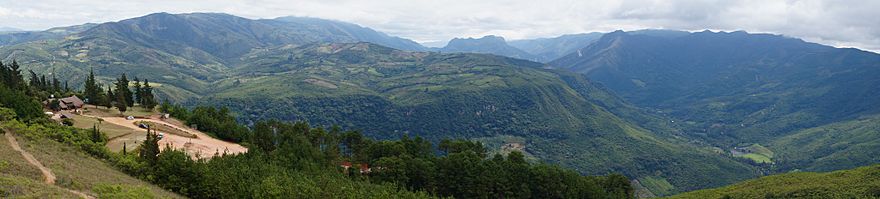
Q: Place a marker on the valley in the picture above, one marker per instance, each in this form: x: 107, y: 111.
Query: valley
x: 654, y: 112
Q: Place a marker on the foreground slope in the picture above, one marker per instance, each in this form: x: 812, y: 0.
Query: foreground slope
x: 71, y: 168
x: 862, y: 182
x: 388, y: 93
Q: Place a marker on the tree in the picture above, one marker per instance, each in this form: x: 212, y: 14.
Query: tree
x: 96, y: 135
x: 121, y: 104
x: 147, y: 99
x: 109, y: 98
x: 56, y: 85
x: 92, y: 90
x: 123, y: 92
x: 265, y: 135
x: 165, y: 107
x: 149, y: 150
x: 11, y: 76
x: 138, y: 93
x: 66, y: 87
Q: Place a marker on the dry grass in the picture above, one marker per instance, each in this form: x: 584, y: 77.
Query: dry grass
x: 113, y: 112
x: 12, y: 186
x: 111, y: 130
x: 79, y: 171
x: 167, y: 129
x: 12, y: 163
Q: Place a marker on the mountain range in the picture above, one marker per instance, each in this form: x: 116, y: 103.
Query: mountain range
x: 736, y: 88
x: 670, y: 109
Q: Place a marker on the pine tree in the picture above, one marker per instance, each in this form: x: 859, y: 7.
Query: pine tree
x: 44, y: 83
x: 147, y: 99
x: 15, y: 78
x: 123, y: 92
x: 96, y: 135
x: 149, y: 150
x: 109, y: 98
x: 35, y: 80
x: 92, y: 91
x: 56, y: 85
x: 121, y: 104
x: 138, y: 93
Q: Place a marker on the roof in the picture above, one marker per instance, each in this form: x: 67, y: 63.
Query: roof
x: 72, y: 100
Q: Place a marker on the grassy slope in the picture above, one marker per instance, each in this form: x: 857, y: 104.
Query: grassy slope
x: 862, y: 182
x: 840, y: 145
x: 20, y: 179
x: 73, y: 169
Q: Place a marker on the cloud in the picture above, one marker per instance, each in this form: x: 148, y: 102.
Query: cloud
x: 849, y: 23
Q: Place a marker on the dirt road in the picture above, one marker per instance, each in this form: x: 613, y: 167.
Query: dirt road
x: 202, y: 146
x: 49, y: 177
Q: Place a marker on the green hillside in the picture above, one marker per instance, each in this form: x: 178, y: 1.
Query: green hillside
x: 734, y: 88
x: 835, y: 146
x: 389, y: 93
x: 862, y: 182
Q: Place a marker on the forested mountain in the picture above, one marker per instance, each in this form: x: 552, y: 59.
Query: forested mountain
x: 489, y: 44
x: 734, y: 87
x: 17, y: 36
x: 387, y: 93
x: 283, y: 159
x: 721, y: 89
x: 186, y: 51
x: 358, y: 33
x: 549, y: 49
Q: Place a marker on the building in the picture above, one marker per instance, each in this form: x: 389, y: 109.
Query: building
x: 67, y: 103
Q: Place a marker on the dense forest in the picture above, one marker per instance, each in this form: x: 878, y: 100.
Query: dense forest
x: 298, y: 160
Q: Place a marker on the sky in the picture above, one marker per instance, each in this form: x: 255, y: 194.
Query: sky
x: 841, y: 23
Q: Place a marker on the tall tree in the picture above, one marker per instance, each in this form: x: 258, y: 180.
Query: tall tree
x: 15, y: 78
x: 149, y: 150
x: 121, y: 104
x: 96, y: 135
x: 35, y: 80
x: 108, y: 99
x: 56, y: 85
x: 124, y: 94
x: 147, y: 98
x: 92, y: 91
x: 44, y: 83
x: 138, y: 93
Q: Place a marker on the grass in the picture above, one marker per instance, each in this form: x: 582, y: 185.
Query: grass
x: 12, y: 186
x: 113, y: 112
x: 116, y: 134
x: 863, y: 182
x: 79, y: 171
x: 759, y: 154
x: 757, y: 158
x: 657, y: 185
x: 167, y: 129
x: 110, y: 129
x: 12, y: 163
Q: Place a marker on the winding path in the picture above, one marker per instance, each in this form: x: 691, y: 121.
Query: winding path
x: 49, y: 177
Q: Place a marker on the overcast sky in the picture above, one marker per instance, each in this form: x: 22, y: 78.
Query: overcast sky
x: 842, y: 23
